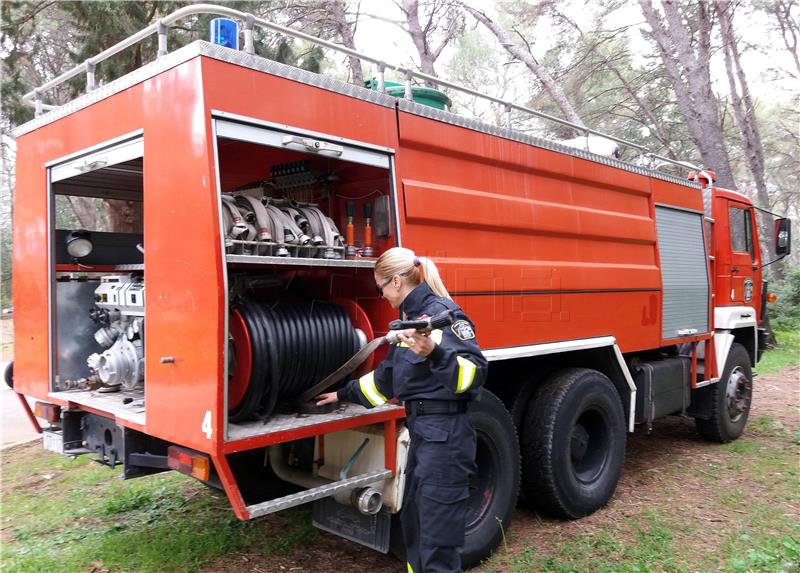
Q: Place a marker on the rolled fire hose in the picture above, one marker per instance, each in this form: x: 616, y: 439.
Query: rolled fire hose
x: 300, y: 237
x: 238, y: 226
x: 284, y: 225
x: 287, y: 348
x: 314, y: 227
x: 319, y: 224
x: 423, y: 325
x: 292, y: 232
x: 298, y: 217
x: 257, y: 207
x: 337, y: 236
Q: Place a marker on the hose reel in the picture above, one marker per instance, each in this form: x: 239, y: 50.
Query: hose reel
x: 276, y: 352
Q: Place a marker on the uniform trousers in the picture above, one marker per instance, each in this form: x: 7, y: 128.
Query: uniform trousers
x: 441, y: 460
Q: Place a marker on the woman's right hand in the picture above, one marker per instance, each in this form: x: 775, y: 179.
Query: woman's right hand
x: 327, y: 398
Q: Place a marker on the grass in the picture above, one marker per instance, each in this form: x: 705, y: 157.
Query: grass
x: 633, y: 546
x: 760, y: 533
x: 60, y: 514
x: 785, y: 355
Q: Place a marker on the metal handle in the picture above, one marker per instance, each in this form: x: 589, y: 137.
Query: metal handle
x: 314, y: 145
x: 96, y: 163
x: 441, y: 320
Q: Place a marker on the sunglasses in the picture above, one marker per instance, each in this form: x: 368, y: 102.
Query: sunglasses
x: 379, y: 288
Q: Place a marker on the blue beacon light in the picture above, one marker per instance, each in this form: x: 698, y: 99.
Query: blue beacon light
x: 224, y: 32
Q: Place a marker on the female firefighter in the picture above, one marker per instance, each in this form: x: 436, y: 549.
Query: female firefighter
x: 436, y: 376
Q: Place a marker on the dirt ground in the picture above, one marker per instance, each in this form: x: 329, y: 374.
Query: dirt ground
x: 664, y: 472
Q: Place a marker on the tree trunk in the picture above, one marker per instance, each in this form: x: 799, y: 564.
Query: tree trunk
x: 745, y: 114
x: 687, y: 69
x: 123, y: 216
x: 550, y: 85
x: 347, y: 31
x: 788, y: 25
x: 410, y: 9
x: 86, y: 212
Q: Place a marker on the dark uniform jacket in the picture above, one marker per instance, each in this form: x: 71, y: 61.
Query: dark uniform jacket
x: 455, y: 370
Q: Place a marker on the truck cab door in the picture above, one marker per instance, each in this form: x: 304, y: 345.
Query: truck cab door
x: 741, y: 266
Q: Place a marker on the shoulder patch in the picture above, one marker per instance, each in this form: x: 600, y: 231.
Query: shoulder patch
x: 463, y: 330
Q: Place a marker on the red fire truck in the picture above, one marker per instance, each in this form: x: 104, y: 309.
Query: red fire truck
x: 252, y: 198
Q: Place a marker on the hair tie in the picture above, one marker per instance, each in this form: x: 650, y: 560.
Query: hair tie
x: 416, y: 261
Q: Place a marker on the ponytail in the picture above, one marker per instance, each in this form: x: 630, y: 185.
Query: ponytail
x: 403, y: 262
x: 431, y: 275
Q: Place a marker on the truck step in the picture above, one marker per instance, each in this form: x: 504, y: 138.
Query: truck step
x: 312, y: 494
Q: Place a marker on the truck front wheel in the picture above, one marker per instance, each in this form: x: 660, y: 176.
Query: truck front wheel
x: 730, y: 399
x: 573, y: 443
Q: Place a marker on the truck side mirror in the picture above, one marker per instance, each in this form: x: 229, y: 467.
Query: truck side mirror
x: 783, y: 236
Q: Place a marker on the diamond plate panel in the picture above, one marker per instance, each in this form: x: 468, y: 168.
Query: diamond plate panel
x: 283, y: 422
x: 309, y: 495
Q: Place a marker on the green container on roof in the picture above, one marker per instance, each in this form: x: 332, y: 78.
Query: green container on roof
x: 425, y: 96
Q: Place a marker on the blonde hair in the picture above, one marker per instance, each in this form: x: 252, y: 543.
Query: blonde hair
x: 403, y: 262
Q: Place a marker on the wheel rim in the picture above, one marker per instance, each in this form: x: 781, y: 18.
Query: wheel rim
x: 589, y: 445
x: 737, y: 392
x: 484, y: 483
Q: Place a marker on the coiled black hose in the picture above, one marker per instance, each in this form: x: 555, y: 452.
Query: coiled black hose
x: 293, y: 346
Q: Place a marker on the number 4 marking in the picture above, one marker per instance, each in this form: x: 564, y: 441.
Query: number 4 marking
x: 205, y: 427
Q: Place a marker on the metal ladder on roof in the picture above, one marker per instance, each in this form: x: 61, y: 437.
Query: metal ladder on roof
x: 249, y: 22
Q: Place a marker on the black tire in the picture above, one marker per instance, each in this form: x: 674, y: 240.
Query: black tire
x: 519, y: 408
x: 573, y: 444
x: 8, y: 375
x: 730, y: 399
x: 494, y: 489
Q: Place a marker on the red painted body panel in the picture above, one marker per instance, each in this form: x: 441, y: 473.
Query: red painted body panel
x: 552, y: 241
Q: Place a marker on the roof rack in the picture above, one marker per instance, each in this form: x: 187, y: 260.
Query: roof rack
x: 248, y: 21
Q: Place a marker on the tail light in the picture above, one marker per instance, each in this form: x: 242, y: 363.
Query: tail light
x: 49, y: 412
x: 189, y: 462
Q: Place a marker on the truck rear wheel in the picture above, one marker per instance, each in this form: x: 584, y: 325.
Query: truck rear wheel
x: 573, y: 444
x: 519, y: 408
x: 730, y: 399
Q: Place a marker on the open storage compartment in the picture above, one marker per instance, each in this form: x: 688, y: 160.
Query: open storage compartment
x: 97, y: 288
x: 303, y: 218
x: 291, y: 195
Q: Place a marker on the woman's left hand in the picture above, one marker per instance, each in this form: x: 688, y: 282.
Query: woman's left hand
x: 419, y: 343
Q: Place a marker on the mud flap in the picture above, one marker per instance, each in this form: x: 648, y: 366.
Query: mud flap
x: 372, y: 531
